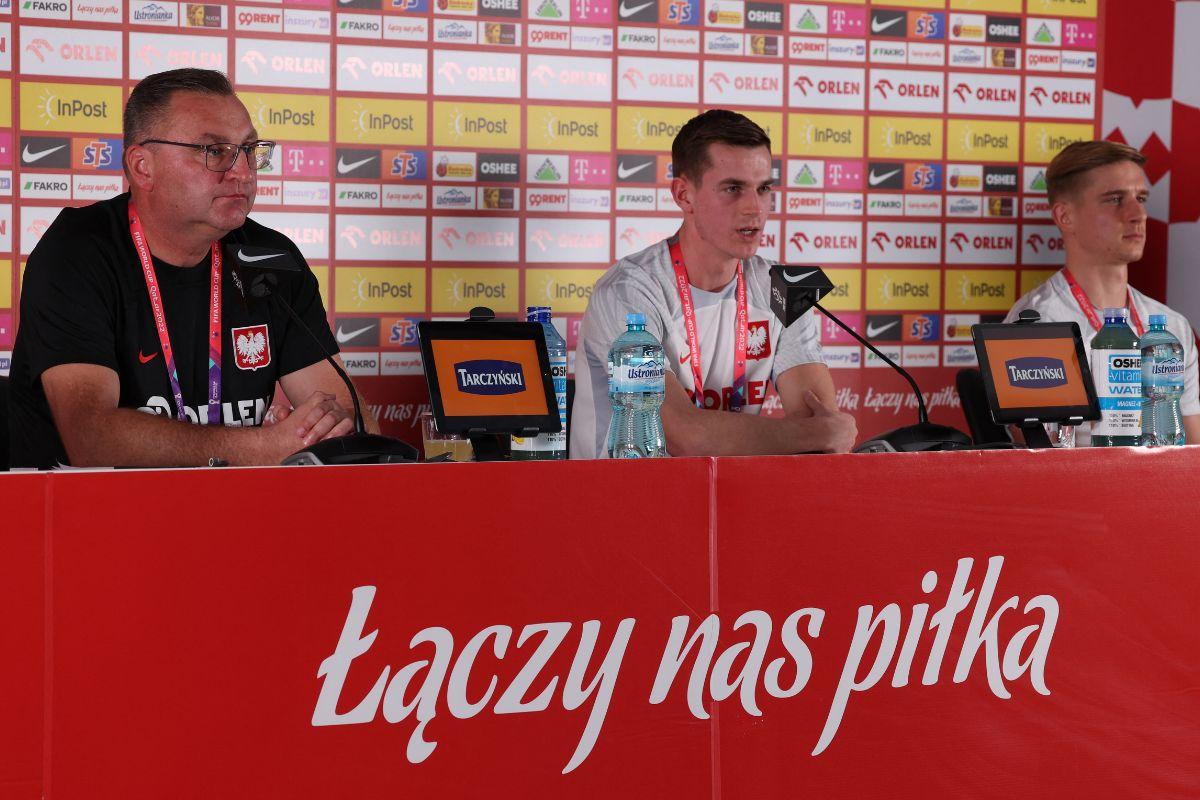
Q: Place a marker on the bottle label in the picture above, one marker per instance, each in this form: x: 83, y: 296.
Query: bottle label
x: 550, y: 441
x: 1118, y: 378
x: 1165, y: 372
x: 639, y: 375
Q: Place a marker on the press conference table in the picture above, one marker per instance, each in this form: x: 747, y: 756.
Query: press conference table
x: 982, y: 624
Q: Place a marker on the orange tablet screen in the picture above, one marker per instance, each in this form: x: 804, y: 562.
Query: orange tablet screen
x: 481, y: 378
x: 1036, y: 373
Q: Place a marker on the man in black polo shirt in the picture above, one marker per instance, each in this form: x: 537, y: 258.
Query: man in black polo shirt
x: 140, y: 340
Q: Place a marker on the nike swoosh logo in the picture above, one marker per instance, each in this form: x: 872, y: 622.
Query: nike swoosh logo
x: 146, y: 359
x: 875, y: 180
x: 798, y: 278
x: 623, y: 172
x: 626, y: 11
x: 877, y: 28
x: 872, y: 331
x: 30, y: 158
x: 251, y: 259
x: 343, y: 167
x: 345, y: 336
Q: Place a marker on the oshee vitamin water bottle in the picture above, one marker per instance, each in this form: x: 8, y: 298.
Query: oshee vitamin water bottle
x: 547, y: 445
x: 1117, y: 373
x: 1162, y: 385
x: 636, y: 387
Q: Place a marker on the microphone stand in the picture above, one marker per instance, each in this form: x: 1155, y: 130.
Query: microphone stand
x: 359, y: 447
x: 925, y: 435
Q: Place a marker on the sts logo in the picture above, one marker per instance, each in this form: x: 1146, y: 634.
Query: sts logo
x: 402, y: 332
x: 680, y: 12
x: 921, y: 327
x: 407, y: 165
x: 102, y: 154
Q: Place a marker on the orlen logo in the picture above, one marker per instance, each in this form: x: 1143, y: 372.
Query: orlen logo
x: 1035, y: 372
x: 1037, y: 244
x: 488, y: 376
x: 39, y: 47
x: 451, y: 71
x: 881, y: 240
x: 666, y: 80
x: 922, y: 90
x: 988, y: 94
x: 981, y: 243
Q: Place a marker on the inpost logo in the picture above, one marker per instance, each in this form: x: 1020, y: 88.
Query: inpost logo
x: 5, y: 283
x: 847, y: 290
x: 1013, y: 6
x: 650, y: 128
x: 825, y: 135
x: 463, y: 289
x: 379, y: 289
x: 1044, y: 140
x: 569, y: 128
x: 69, y: 107
x: 6, y: 108
x: 476, y: 125
x: 906, y: 137
x: 903, y: 289
x: 290, y: 117
x: 386, y: 122
x: 980, y: 289
x: 976, y: 140
x: 565, y: 290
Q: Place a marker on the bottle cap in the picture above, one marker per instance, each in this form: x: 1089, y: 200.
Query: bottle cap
x: 634, y: 318
x: 1121, y: 314
x: 1158, y: 319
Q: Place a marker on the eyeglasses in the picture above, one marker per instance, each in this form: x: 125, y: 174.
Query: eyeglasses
x: 221, y: 156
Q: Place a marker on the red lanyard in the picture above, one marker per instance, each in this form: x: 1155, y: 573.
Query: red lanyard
x: 160, y: 322
x: 1086, y: 305
x: 738, y: 398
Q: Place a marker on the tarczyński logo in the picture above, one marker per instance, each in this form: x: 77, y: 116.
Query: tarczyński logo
x: 489, y: 376
x: 1035, y: 372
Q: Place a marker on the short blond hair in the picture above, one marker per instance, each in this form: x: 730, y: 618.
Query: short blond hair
x: 1065, y: 174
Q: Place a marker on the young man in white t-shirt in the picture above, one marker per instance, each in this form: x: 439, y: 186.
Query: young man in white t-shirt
x: 1097, y: 193
x: 722, y: 166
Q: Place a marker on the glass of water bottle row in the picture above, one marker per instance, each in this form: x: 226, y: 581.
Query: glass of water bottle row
x: 1162, y: 385
x: 636, y: 386
x: 547, y: 445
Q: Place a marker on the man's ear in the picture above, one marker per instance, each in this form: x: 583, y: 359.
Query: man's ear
x: 139, y: 167
x: 681, y: 192
x: 1064, y: 215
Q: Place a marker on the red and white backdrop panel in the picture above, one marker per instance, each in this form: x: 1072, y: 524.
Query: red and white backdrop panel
x: 440, y: 154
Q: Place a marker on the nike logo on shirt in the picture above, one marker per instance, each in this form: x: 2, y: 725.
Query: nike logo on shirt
x: 343, y: 167
x: 251, y: 259
x: 146, y: 359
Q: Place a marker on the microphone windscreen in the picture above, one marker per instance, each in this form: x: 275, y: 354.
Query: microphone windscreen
x: 794, y: 290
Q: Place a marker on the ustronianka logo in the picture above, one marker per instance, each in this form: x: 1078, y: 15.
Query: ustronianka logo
x: 1036, y: 372
x: 489, y: 376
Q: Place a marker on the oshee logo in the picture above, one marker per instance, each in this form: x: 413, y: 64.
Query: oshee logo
x: 489, y: 377
x: 1036, y: 372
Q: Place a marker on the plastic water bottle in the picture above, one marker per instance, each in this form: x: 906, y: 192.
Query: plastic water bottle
x: 1116, y: 371
x: 547, y: 445
x: 1162, y: 385
x: 636, y: 386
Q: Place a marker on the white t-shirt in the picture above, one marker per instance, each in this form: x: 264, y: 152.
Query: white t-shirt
x: 1054, y: 301
x: 645, y: 282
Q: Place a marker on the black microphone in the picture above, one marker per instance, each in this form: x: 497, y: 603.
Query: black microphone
x: 359, y: 447
x: 795, y: 290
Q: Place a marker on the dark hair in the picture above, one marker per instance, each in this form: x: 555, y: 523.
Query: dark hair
x: 149, y: 99
x: 689, y: 151
x: 1066, y: 172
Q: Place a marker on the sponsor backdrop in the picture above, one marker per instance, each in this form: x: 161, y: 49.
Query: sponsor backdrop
x: 441, y: 154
